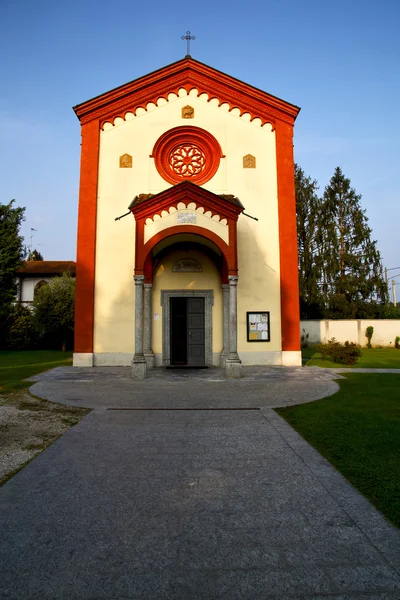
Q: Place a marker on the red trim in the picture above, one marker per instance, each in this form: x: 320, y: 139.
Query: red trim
x: 178, y: 136
x: 86, y: 245
x: 186, y: 192
x: 143, y: 257
x: 188, y: 74
x: 290, y: 310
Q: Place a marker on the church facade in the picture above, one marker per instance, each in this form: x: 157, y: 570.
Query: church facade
x: 201, y: 267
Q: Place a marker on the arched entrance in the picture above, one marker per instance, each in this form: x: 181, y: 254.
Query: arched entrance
x: 188, y: 317
x: 187, y: 293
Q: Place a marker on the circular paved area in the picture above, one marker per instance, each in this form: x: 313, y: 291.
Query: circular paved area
x: 113, y: 387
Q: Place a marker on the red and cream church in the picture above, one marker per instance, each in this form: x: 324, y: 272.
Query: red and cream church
x: 201, y: 268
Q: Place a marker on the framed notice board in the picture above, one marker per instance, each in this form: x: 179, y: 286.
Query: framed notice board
x: 258, y: 326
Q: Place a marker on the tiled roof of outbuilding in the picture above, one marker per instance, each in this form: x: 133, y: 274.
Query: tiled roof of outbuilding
x: 47, y: 267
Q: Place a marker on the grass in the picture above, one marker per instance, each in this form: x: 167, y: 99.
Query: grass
x: 358, y: 431
x: 371, y: 358
x: 16, y: 366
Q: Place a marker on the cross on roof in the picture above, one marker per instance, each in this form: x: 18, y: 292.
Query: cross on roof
x: 188, y: 37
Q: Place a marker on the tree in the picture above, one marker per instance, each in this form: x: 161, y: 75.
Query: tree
x: 54, y: 311
x: 351, y: 271
x: 308, y: 217
x: 34, y: 255
x: 12, y: 254
x: 21, y: 334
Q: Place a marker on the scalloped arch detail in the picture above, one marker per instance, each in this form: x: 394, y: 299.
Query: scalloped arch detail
x: 194, y: 92
x: 214, y: 215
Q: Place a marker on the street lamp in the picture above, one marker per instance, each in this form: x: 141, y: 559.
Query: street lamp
x: 394, y: 289
x: 387, y: 281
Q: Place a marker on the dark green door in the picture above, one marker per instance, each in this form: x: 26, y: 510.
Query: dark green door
x: 195, y: 328
x: 187, y: 332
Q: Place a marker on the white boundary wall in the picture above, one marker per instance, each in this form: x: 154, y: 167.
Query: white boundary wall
x: 352, y: 330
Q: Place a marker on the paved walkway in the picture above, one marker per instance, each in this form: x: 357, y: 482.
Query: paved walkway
x: 201, y: 504
x: 113, y: 387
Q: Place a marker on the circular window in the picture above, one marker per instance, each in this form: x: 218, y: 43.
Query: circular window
x: 187, y: 153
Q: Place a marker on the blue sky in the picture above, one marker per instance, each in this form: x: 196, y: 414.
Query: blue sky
x: 338, y: 61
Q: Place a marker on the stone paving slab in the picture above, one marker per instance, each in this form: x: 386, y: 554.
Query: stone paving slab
x: 190, y: 505
x: 183, y: 388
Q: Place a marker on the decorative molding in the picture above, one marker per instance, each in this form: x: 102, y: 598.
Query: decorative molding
x: 187, y: 153
x: 249, y: 161
x: 187, y: 112
x: 187, y: 265
x: 186, y: 217
x: 226, y: 207
x: 187, y: 75
x: 125, y: 161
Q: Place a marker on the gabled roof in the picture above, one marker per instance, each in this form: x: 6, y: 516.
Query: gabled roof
x: 148, y: 205
x: 47, y: 267
x: 189, y: 74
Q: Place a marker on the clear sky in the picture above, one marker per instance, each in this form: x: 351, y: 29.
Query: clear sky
x: 338, y: 61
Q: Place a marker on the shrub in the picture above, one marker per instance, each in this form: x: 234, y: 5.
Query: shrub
x: 369, y: 332
x: 397, y: 342
x: 346, y: 354
x: 21, y: 330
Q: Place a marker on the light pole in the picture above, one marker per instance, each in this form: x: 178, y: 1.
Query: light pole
x: 387, y: 281
x: 394, y: 289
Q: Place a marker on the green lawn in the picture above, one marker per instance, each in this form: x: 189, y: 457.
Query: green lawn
x: 15, y: 366
x: 358, y: 431
x: 371, y: 358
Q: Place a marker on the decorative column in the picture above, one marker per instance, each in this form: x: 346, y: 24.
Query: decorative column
x: 233, y: 364
x: 225, y: 298
x: 139, y: 361
x: 148, y: 352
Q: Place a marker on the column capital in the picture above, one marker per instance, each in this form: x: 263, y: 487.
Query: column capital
x: 233, y: 279
x: 225, y: 287
x: 139, y: 279
x: 148, y: 286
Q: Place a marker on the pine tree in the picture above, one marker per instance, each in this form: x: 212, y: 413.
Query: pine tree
x: 308, y: 217
x: 351, y: 268
x: 12, y: 253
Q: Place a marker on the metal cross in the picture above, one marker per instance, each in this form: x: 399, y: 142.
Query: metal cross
x: 188, y: 37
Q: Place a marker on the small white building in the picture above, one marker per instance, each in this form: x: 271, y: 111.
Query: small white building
x: 36, y: 273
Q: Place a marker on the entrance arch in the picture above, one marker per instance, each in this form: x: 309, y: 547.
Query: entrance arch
x: 224, y: 210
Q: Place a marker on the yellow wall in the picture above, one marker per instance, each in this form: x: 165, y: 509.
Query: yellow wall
x: 258, y: 242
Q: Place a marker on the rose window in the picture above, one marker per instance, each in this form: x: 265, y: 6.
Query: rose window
x: 187, y: 153
x: 187, y: 160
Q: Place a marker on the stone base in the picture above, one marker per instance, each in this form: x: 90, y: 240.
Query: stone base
x: 291, y: 358
x: 139, y: 370
x: 82, y: 359
x: 150, y: 361
x: 233, y: 369
x: 224, y: 358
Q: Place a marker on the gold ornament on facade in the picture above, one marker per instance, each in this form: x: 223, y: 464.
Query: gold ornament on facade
x: 125, y: 161
x: 249, y: 161
x: 187, y: 112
